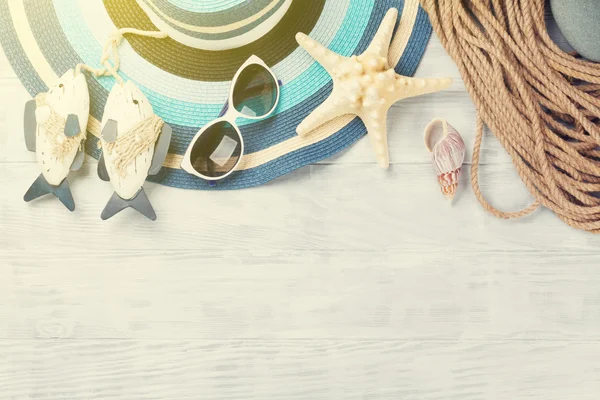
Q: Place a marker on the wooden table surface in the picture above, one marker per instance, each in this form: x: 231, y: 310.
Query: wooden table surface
x: 338, y: 281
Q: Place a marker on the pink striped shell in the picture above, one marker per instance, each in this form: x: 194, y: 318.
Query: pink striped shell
x: 448, y: 152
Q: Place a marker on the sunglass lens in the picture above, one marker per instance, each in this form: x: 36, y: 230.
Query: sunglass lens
x: 255, y: 91
x: 217, y: 150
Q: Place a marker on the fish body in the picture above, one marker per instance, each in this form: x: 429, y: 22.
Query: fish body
x: 55, y: 128
x: 127, y: 106
x: 69, y: 97
x: 132, y: 147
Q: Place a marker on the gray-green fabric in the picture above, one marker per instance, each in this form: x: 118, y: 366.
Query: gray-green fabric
x: 219, y: 18
x: 214, y: 66
x: 579, y: 22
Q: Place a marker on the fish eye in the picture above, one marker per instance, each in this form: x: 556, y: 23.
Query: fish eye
x: 61, y: 86
x: 135, y: 102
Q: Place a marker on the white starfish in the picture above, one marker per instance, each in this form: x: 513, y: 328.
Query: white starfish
x: 365, y: 86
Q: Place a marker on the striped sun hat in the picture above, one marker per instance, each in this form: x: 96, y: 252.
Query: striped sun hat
x: 187, y: 76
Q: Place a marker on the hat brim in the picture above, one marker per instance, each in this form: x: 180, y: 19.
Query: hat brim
x: 46, y: 39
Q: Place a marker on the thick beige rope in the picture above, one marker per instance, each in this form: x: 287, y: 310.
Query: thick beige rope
x: 541, y: 104
x: 130, y: 145
x: 54, y: 128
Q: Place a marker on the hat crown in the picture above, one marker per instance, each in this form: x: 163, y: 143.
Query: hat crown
x: 218, y: 25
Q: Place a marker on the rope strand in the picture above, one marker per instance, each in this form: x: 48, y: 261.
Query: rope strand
x: 542, y: 104
x: 110, y: 52
x: 132, y: 143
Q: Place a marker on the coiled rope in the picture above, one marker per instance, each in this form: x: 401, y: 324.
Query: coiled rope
x: 542, y: 104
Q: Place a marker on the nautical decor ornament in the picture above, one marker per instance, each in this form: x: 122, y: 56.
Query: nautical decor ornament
x: 55, y: 129
x: 365, y: 86
x: 186, y: 80
x: 135, y: 143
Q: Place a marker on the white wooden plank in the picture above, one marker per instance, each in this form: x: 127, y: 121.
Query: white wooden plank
x: 319, y: 207
x: 315, y: 369
x: 407, y: 120
x: 187, y: 294
x: 437, y: 62
x: 338, y: 281
x: 12, y: 141
x: 127, y: 106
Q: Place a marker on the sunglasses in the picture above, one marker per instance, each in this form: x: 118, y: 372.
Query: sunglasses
x: 217, y: 149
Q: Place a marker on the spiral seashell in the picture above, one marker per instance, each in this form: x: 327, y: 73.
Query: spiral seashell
x: 447, y: 154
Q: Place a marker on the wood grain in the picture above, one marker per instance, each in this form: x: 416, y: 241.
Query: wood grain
x: 299, y: 369
x: 300, y: 295
x: 338, y: 281
x: 406, y: 121
x: 323, y: 207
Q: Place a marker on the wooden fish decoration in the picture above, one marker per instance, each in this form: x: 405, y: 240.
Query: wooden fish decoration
x: 55, y: 125
x: 135, y: 143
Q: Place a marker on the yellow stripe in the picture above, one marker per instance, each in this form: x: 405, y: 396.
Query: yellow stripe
x: 214, y: 29
x: 252, y: 160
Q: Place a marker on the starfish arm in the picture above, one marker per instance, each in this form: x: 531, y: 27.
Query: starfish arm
x: 335, y: 106
x: 376, y: 124
x: 381, y: 42
x: 327, y: 58
x: 406, y: 87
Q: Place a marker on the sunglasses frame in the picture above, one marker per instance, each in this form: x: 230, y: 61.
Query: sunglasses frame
x: 230, y: 116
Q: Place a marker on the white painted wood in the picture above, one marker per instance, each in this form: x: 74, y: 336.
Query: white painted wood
x: 299, y: 369
x: 338, y: 281
x: 406, y: 121
x: 128, y: 106
x: 323, y: 207
x: 69, y: 95
x: 230, y: 295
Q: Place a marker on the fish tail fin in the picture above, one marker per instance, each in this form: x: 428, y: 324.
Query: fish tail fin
x: 140, y: 203
x: 41, y: 187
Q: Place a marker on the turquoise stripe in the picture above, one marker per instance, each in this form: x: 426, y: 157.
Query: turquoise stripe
x: 89, y: 50
x: 219, y: 19
x: 212, y: 22
x: 270, y: 170
x: 345, y: 42
x: 321, y: 150
x: 206, y: 6
x: 197, y: 114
